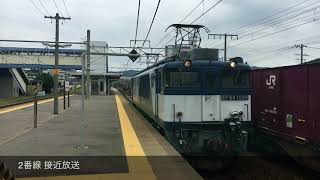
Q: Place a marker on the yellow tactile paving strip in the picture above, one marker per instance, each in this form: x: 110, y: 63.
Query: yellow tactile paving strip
x: 25, y: 105
x: 139, y: 167
x: 132, y: 145
x: 131, y: 142
x: 153, y: 143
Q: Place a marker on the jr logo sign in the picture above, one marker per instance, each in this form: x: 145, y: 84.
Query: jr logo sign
x: 271, y: 81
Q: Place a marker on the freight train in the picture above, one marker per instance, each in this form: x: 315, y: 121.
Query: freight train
x: 285, y: 110
x: 200, y: 104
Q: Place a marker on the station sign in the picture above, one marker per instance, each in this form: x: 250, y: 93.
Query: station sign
x: 133, y: 55
x: 67, y: 86
x: 55, y: 71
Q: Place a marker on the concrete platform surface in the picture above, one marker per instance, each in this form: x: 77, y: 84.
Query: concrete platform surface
x: 63, y: 135
x: 111, y: 140
x: 17, y: 120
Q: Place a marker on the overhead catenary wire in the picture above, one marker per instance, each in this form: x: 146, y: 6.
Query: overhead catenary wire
x: 208, y: 10
x: 137, y: 27
x: 301, y: 20
x: 270, y: 51
x: 286, y: 44
x: 46, y: 10
x: 189, y: 14
x: 281, y: 21
x: 264, y: 21
x: 311, y: 47
x: 137, y: 24
x: 276, y: 32
x: 266, y: 52
x: 196, y: 19
x: 37, y: 7
x: 65, y: 7
x: 55, y: 4
x: 314, y: 42
x: 290, y: 23
x: 314, y: 39
x: 150, y: 27
x: 261, y: 21
x: 276, y: 52
x: 281, y: 50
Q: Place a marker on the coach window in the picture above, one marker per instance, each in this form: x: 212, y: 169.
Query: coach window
x: 181, y: 79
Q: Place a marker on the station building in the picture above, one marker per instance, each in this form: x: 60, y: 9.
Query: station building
x: 100, y: 76
x: 13, y: 82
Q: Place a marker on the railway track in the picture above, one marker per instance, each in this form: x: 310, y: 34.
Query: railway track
x: 24, y: 102
x: 256, y: 165
x: 261, y: 167
x: 29, y: 101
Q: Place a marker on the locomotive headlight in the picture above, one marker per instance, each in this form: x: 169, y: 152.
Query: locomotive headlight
x: 233, y: 64
x: 179, y: 115
x: 187, y: 63
x: 234, y: 114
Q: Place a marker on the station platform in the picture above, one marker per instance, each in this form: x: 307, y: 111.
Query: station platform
x: 110, y: 140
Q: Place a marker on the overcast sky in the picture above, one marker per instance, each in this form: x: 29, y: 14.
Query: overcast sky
x: 114, y: 21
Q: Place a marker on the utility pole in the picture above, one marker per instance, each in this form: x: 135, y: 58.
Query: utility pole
x: 225, y: 41
x: 57, y: 18
x: 88, y: 80
x: 301, y: 46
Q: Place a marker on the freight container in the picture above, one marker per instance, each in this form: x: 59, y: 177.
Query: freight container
x: 286, y: 107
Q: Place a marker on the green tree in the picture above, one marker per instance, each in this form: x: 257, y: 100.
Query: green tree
x: 46, y: 81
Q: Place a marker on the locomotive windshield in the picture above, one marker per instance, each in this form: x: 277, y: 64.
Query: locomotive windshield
x: 182, y: 79
x: 204, y: 81
x: 235, y: 79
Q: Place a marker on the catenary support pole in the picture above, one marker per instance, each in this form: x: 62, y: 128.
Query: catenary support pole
x: 57, y: 18
x: 56, y: 68
x: 88, y: 82
x: 225, y: 41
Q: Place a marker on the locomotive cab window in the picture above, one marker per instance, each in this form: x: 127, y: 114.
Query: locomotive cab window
x: 235, y: 79
x: 181, y: 79
x: 212, y: 81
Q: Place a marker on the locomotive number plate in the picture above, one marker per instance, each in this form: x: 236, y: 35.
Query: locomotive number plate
x: 234, y: 97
